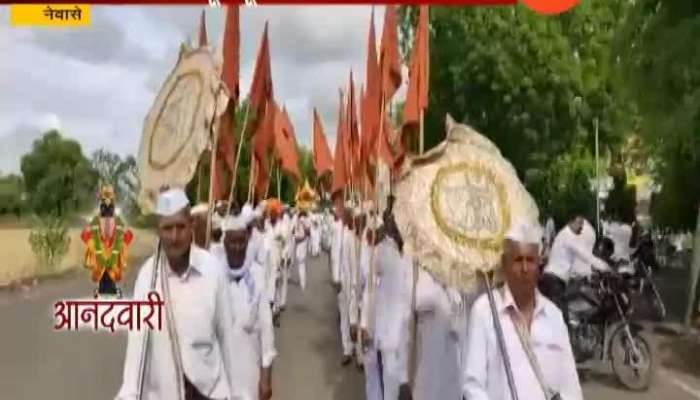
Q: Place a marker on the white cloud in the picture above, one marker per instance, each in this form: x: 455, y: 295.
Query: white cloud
x: 96, y: 84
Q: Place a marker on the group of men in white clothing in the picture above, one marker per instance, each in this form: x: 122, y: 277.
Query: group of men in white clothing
x: 217, y: 340
x: 418, y: 339
x: 414, y: 337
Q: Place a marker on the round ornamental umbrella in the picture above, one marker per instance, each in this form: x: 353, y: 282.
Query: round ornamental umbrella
x: 455, y: 203
x: 177, y: 128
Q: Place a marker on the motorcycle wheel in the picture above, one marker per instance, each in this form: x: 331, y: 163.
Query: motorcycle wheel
x: 634, y: 371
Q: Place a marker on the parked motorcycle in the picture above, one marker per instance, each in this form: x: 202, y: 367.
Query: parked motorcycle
x: 601, y: 328
x: 639, y: 269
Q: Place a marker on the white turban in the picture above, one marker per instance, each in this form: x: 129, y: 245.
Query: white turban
x: 171, y: 202
x: 235, y: 222
x: 525, y: 232
x: 247, y: 212
x: 200, y: 208
x: 216, y: 221
x: 260, y: 209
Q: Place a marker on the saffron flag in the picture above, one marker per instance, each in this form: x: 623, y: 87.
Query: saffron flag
x: 286, y: 145
x: 419, y: 72
x: 339, y: 163
x: 323, y: 161
x: 389, y: 55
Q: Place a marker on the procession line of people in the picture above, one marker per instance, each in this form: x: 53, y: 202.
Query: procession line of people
x: 414, y: 337
x: 217, y: 340
x: 419, y: 339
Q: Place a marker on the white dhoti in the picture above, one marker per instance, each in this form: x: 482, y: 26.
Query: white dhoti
x: 393, y: 372
x: 301, y: 262
x: 315, y: 241
x: 373, y: 377
x: 343, y: 309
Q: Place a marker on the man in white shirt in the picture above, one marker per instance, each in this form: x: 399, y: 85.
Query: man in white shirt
x: 531, y: 324
x: 301, y: 232
x: 569, y: 246
x: 315, y: 234
x: 392, y: 311
x: 274, y: 243
x: 288, y: 253
x: 340, y: 280
x: 253, y: 346
x: 190, y: 358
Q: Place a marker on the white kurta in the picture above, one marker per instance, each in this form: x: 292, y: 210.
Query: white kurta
x: 252, y: 332
x: 338, y: 276
x: 484, y: 377
x: 568, y: 249
x: 370, y: 360
x: 392, y: 304
x: 438, y: 346
x: 273, y: 242
x: 301, y: 225
x: 315, y: 239
x: 202, y: 312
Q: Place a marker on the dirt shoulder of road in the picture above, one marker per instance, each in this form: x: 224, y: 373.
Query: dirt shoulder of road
x: 19, y: 266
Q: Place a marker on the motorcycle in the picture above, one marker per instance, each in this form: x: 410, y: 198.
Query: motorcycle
x: 601, y: 328
x: 639, y: 268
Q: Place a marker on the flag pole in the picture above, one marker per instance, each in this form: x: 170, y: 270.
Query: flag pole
x: 234, y: 178
x: 279, y: 183
x: 212, y: 173
x: 421, y: 138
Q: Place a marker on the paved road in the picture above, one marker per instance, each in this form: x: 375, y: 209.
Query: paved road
x: 37, y: 363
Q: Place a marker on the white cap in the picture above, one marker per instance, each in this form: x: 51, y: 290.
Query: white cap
x: 216, y: 221
x: 235, y: 222
x: 525, y: 232
x: 356, y: 212
x: 375, y: 223
x: 260, y: 209
x: 200, y: 208
x: 171, y: 201
x: 247, y: 212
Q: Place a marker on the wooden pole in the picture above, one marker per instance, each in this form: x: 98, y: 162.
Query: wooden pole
x: 234, y: 178
x: 252, y: 176
x: 199, y: 182
x: 212, y: 172
x: 279, y: 183
x: 421, y: 138
x: 269, y: 177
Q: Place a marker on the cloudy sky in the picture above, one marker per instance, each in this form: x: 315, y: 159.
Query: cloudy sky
x: 96, y: 84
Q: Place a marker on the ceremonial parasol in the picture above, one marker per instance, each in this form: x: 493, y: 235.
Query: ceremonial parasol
x: 178, y: 126
x: 455, y: 203
x: 305, y: 198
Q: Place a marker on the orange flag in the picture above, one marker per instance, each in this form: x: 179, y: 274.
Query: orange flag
x: 372, y: 98
x: 232, y: 43
x: 353, y: 133
x: 339, y: 162
x: 261, y: 87
x: 323, y: 161
x: 226, y: 144
x: 418, y: 79
x: 203, y: 31
x: 389, y: 55
x: 264, y: 138
x: 286, y: 145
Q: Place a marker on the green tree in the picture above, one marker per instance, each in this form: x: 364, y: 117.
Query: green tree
x: 58, y: 178
x: 532, y: 84
x: 659, y: 70
x: 121, y: 174
x: 11, y: 190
